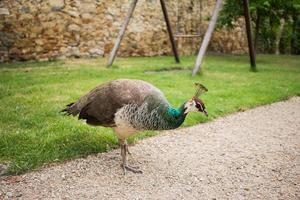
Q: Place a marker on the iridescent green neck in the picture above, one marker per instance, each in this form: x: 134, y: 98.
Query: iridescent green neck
x: 174, y: 112
x: 176, y: 116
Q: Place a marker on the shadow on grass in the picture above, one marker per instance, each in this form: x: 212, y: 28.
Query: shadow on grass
x: 30, y: 64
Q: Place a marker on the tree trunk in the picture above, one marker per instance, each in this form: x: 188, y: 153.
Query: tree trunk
x: 207, y: 37
x: 257, y: 24
x: 295, y: 39
x: 121, y: 33
x: 171, y: 36
x: 249, y: 35
x: 278, y: 36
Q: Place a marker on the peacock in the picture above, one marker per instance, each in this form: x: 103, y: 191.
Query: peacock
x: 131, y: 106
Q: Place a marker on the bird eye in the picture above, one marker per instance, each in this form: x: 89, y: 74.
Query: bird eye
x: 197, y: 105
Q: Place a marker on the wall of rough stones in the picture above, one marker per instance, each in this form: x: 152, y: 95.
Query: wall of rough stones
x: 56, y: 29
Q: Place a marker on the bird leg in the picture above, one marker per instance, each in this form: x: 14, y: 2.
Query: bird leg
x: 127, y: 149
x: 124, y: 151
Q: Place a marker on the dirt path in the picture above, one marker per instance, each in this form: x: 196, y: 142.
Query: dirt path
x: 249, y: 155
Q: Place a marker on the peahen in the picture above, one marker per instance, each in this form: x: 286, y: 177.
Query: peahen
x: 130, y: 106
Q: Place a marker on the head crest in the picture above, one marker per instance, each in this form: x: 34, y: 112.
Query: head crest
x: 200, y: 89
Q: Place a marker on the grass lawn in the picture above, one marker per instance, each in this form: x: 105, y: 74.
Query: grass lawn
x: 33, y: 132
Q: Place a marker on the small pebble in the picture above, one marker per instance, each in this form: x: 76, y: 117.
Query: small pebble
x: 9, y: 194
x: 19, y: 195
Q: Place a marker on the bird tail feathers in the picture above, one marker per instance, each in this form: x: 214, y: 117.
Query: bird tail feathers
x: 69, y: 110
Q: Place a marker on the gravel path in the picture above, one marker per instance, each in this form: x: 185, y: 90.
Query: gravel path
x: 248, y: 155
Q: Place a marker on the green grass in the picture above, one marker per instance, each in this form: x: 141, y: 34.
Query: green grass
x: 33, y: 133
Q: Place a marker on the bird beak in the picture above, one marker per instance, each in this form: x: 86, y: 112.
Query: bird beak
x: 205, y: 113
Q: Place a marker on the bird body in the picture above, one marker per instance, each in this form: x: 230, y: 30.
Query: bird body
x: 150, y: 115
x: 130, y: 106
x: 127, y: 105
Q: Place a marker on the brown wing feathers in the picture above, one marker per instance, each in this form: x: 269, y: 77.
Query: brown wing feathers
x: 98, y: 107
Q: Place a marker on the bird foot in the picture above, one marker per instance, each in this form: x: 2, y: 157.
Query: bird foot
x: 135, y: 170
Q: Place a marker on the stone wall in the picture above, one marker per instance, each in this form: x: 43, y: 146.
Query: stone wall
x: 51, y: 29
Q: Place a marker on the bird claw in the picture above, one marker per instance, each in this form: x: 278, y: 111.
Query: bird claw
x: 135, y: 170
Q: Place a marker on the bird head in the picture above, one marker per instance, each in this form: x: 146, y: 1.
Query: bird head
x: 195, y: 104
